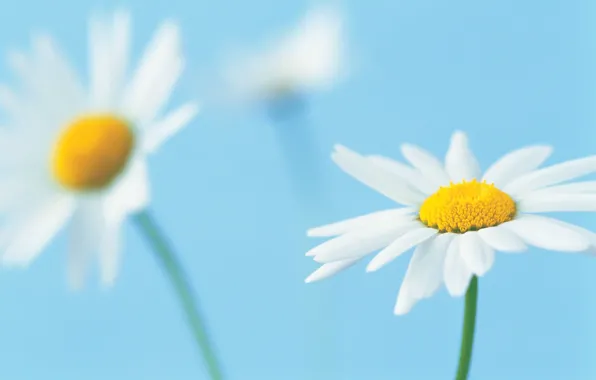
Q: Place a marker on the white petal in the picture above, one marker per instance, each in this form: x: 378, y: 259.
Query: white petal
x: 330, y: 269
x: 548, y: 233
x: 120, y: 44
x: 162, y: 130
x: 407, y: 173
x: 34, y: 85
x: 557, y: 202
x: 515, y: 164
x: 50, y: 91
x: 551, y: 175
x: 86, y: 230
x: 405, y: 302
x: 10, y: 102
x: 375, y: 177
x: 456, y: 273
x: 19, y: 187
x: 379, y: 218
x: 591, y: 236
x: 502, y: 239
x: 156, y: 75
x: 59, y: 86
x: 109, y: 44
x: 110, y: 250
x: 428, y: 164
x: 99, y: 67
x: 460, y: 162
x: 21, y: 111
x: 307, y: 59
x: 131, y: 193
x: 312, y: 55
x: 479, y: 257
x: 357, y: 243
x: 402, y: 244
x: 35, y: 230
x: 568, y: 188
x: 425, y: 271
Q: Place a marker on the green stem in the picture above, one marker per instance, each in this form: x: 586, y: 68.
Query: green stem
x: 467, y: 339
x: 165, y: 254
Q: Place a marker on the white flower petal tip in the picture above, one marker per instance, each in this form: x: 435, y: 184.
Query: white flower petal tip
x: 376, y: 177
x: 16, y: 260
x: 15, y: 263
x: 169, y: 30
x: 157, y: 134
x: 404, y: 305
x: 108, y: 284
x: 356, y: 244
x: 424, y: 275
x: 460, y: 162
x: 330, y: 269
x: 379, y: 219
x: 339, y: 148
x: 313, y: 277
x: 373, y: 268
x: 459, y: 137
x: 323, y: 259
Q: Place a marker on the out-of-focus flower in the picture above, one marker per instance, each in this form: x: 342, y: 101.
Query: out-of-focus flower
x: 309, y: 58
x: 76, y: 153
x: 455, y: 217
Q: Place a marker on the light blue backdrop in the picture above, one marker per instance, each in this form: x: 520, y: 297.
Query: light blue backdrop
x: 508, y: 72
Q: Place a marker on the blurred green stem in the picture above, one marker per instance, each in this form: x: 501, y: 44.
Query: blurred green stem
x: 165, y: 254
x: 467, y: 339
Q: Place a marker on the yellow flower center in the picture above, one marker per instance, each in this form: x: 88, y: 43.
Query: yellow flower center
x: 92, y: 151
x: 467, y: 206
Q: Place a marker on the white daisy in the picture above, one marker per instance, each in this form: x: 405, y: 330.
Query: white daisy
x: 78, y: 155
x: 455, y: 217
x: 309, y: 58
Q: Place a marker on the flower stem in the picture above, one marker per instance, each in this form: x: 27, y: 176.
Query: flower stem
x: 165, y: 254
x: 467, y: 339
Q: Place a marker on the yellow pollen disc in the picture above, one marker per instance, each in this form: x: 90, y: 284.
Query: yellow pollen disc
x: 92, y: 151
x: 467, y: 206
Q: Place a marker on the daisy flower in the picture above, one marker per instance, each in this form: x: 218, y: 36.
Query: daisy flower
x: 309, y: 58
x: 454, y: 216
x: 77, y: 154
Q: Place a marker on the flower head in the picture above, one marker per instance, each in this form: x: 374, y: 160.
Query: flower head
x: 308, y: 58
x: 455, y: 217
x: 76, y: 154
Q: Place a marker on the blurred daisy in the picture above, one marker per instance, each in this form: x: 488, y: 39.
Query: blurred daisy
x: 307, y: 59
x: 77, y: 154
x: 455, y: 217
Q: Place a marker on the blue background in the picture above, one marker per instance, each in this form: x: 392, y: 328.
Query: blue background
x: 232, y: 197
